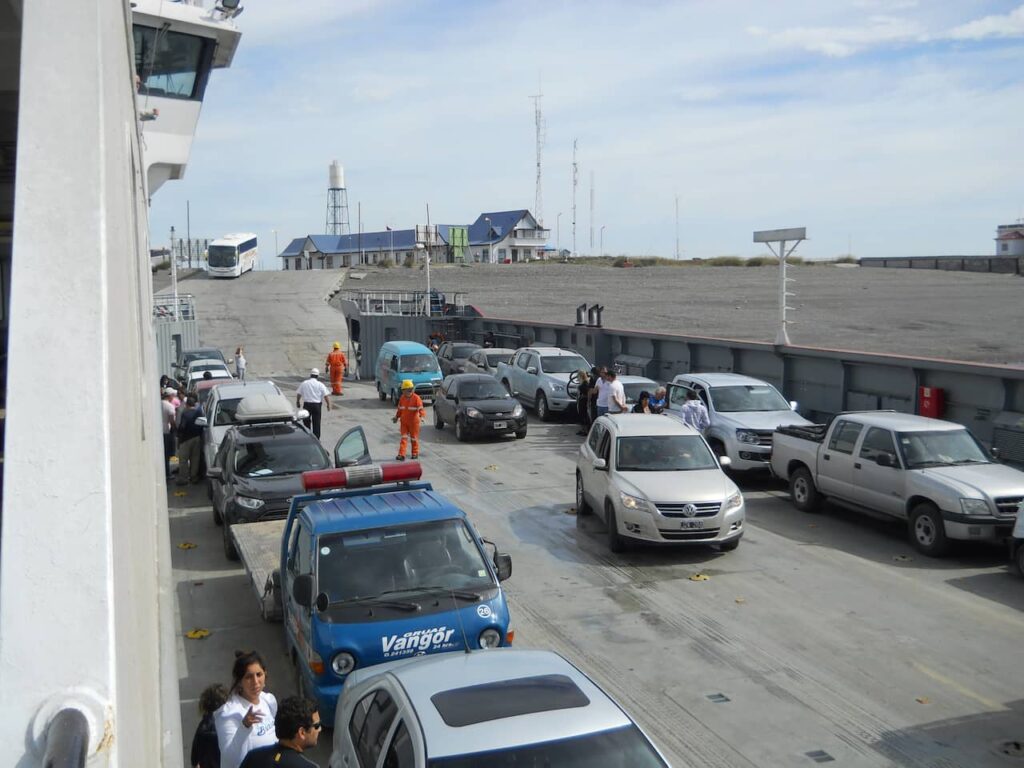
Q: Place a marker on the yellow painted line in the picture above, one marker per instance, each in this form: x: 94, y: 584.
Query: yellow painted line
x: 938, y: 677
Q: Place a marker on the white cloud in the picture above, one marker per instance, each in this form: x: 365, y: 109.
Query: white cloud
x: 1006, y: 25
x: 842, y: 41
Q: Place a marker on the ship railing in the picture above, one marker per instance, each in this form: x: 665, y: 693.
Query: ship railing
x: 168, y: 308
x: 410, y: 303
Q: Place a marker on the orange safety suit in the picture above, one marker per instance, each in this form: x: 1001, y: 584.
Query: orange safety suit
x: 410, y: 413
x: 336, y: 364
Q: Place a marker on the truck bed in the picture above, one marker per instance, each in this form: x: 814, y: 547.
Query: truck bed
x: 815, y: 432
x: 259, y: 548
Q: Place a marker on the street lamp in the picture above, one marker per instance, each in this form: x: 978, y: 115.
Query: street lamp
x: 490, y: 249
x: 602, y: 239
x: 558, y: 232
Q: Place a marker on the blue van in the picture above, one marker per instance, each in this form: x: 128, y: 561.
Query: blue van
x: 381, y: 573
x: 400, y: 360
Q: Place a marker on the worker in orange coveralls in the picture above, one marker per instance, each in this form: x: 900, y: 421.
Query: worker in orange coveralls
x: 410, y: 413
x: 336, y: 364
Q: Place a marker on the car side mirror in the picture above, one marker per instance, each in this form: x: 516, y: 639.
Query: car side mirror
x: 201, y: 421
x: 993, y: 452
x: 600, y: 464
x: 301, y: 414
x: 503, y: 565
x: 302, y: 590
x: 792, y: 405
x: 532, y: 369
x: 884, y: 460
x: 214, y: 473
x: 724, y: 462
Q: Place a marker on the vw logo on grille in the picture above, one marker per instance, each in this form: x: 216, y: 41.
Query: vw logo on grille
x: 499, y: 414
x: 689, y: 510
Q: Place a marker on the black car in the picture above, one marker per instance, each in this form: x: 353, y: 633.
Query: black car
x: 477, y: 405
x: 259, y: 468
x: 452, y: 356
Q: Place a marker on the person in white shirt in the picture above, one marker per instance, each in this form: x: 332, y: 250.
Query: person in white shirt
x: 169, y: 419
x: 246, y: 721
x: 616, y: 393
x: 601, y: 388
x: 311, y: 394
x: 240, y: 364
x: 694, y: 412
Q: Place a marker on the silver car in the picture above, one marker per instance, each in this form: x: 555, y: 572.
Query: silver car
x: 652, y: 478
x: 495, y: 708
x: 486, y: 359
x: 220, y: 411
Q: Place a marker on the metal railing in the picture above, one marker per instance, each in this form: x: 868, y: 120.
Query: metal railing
x: 409, y: 303
x: 168, y: 307
x: 67, y: 740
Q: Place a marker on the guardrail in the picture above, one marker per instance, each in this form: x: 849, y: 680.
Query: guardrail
x: 67, y: 740
x: 407, y: 303
x: 169, y: 307
x: 1006, y: 265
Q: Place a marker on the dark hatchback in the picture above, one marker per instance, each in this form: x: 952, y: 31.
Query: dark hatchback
x: 477, y: 405
x: 259, y: 468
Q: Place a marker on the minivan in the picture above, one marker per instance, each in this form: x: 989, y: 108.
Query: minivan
x: 401, y: 360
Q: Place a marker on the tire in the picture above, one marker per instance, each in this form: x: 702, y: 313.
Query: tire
x: 521, y: 434
x: 616, y: 543
x: 381, y: 394
x: 927, y: 531
x: 438, y: 421
x: 543, y: 410
x: 728, y: 546
x: 229, y: 545
x: 802, y: 491
x: 582, y: 507
x: 460, y: 431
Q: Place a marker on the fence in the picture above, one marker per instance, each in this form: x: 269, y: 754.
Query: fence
x: 1007, y: 265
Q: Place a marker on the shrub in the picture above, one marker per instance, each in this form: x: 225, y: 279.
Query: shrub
x: 846, y: 260
x: 410, y: 261
x: 386, y: 263
x: 620, y: 261
x: 165, y: 264
x: 726, y: 261
x: 762, y: 261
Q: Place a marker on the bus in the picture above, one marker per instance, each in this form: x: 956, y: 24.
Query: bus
x: 231, y: 255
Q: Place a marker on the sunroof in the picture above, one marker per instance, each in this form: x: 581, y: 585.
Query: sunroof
x: 507, y: 698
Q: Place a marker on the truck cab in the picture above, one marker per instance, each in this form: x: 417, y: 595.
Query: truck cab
x: 539, y: 377
x: 743, y: 412
x: 384, y: 569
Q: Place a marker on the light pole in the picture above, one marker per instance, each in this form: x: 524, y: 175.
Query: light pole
x: 490, y: 249
x: 558, y: 232
x: 174, y: 275
x: 276, y: 252
x: 602, y: 239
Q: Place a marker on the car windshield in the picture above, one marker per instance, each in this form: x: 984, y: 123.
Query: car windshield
x: 563, y: 364
x: 634, y: 389
x: 277, y: 457
x: 402, y: 558
x: 624, y: 747
x: 226, y: 412
x: 482, y: 389
x: 746, y: 398
x: 424, y: 363
x: 463, y: 350
x: 663, y: 453
x: 936, y: 449
x: 493, y: 360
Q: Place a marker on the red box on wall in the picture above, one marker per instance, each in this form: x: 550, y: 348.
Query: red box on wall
x: 931, y: 401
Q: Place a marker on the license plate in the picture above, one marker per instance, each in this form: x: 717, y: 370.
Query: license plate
x: 500, y: 424
x: 691, y: 524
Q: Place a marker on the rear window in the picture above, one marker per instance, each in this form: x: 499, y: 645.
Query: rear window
x: 507, y: 698
x: 464, y: 350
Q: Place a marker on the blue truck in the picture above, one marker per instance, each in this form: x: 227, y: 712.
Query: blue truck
x: 373, y: 565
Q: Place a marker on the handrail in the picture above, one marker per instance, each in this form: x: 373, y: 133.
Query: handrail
x: 67, y: 740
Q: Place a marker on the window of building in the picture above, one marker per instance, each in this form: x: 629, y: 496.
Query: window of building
x: 330, y: 262
x: 298, y: 262
x: 1004, y: 247
x: 173, y: 65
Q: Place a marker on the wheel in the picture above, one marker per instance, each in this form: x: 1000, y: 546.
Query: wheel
x: 217, y: 519
x: 229, y: 544
x: 582, y: 507
x: 520, y: 434
x: 394, y: 396
x: 460, y: 431
x: 505, y: 384
x: 728, y: 546
x: 438, y: 421
x: 381, y: 394
x: 718, y: 447
x: 543, y: 411
x: 801, y: 489
x: 927, y: 531
x: 616, y: 543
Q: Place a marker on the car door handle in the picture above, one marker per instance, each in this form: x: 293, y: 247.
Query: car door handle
x: 856, y: 465
x: 826, y: 457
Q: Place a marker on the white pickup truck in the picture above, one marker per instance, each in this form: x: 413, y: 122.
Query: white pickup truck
x: 931, y: 473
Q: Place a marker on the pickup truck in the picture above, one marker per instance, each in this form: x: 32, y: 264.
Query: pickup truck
x: 371, y: 566
x: 931, y: 473
x: 743, y: 413
x: 539, y: 377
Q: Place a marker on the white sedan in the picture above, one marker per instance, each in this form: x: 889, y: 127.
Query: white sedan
x: 655, y: 479
x: 197, y: 368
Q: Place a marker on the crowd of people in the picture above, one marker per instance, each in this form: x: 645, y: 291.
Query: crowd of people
x: 183, y: 437
x: 600, y: 392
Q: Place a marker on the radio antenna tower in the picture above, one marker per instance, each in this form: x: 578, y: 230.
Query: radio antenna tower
x: 591, y: 213
x: 337, y: 201
x: 538, y: 119
x: 575, y: 183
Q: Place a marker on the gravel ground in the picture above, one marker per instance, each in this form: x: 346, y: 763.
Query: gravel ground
x: 924, y: 313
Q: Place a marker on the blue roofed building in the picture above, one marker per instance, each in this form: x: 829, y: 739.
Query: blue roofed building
x: 509, y: 237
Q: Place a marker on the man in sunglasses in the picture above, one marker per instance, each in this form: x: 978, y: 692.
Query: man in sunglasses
x: 298, y: 728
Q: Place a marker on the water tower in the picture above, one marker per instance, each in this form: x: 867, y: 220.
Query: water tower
x: 337, y: 201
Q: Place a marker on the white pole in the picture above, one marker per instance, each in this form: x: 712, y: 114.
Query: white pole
x: 783, y: 337
x: 427, y: 235
x: 174, y: 275
x: 677, y: 227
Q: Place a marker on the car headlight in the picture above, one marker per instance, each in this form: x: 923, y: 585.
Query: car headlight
x: 490, y: 638
x: 974, y: 506
x: 557, y: 387
x: 343, y: 663
x: 747, y: 436
x: 734, y: 501
x: 517, y: 412
x: 632, y: 502
x: 473, y: 413
x: 247, y: 502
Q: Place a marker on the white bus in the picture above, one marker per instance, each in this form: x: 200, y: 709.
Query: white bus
x: 231, y: 255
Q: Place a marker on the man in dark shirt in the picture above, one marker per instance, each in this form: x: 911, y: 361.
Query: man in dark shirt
x: 190, y: 441
x: 298, y: 727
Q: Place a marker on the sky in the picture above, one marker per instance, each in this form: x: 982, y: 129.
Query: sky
x: 885, y: 127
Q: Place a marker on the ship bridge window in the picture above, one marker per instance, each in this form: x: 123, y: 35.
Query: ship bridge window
x: 172, y: 65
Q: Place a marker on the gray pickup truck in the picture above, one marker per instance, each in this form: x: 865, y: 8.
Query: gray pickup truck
x: 539, y: 376
x: 931, y: 473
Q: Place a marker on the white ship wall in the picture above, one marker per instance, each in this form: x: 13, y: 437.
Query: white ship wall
x: 85, y: 603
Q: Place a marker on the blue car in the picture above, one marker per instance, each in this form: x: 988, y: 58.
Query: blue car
x: 401, y: 360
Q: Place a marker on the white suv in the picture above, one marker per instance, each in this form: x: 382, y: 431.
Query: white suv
x: 655, y: 479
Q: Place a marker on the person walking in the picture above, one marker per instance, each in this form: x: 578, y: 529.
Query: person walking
x: 205, y: 749
x: 298, y: 727
x: 336, y: 365
x: 168, y: 417
x: 410, y: 413
x: 312, y: 395
x: 246, y: 721
x: 694, y: 412
x: 583, y: 402
x: 616, y: 393
x: 601, y: 392
x: 240, y: 364
x: 190, y: 437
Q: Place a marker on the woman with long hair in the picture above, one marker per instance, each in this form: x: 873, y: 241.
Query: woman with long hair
x: 246, y: 720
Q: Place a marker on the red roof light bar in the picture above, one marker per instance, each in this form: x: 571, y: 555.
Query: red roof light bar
x: 362, y: 476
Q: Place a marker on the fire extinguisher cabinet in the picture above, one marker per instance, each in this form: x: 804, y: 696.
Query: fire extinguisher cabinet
x: 931, y: 401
